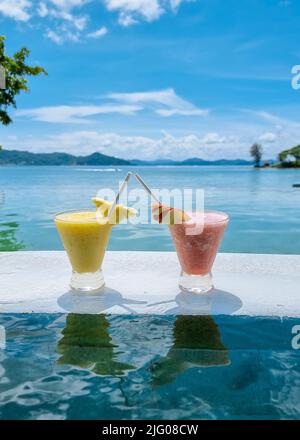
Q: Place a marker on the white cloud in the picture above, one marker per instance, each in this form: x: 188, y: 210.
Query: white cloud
x: 66, y: 23
x: 171, y: 102
x: 16, y: 9
x: 56, y: 38
x: 163, y: 102
x: 176, y: 3
x: 193, y: 139
x: 268, y: 137
x: 98, y: 33
x: 65, y: 26
x: 74, y: 114
x: 67, y: 5
x: 62, y: 13
x: 213, y: 138
x: 233, y: 139
x: 128, y: 9
x: 277, y: 122
x: 126, y: 20
x: 24, y: 10
x: 80, y: 22
x: 134, y: 147
x: 267, y: 116
x: 182, y: 112
x: 62, y: 35
x: 132, y: 11
x: 42, y: 10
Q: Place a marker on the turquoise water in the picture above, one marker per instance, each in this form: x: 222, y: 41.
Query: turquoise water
x: 141, y: 367
x: 263, y: 206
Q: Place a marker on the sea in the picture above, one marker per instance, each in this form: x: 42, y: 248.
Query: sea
x: 263, y: 205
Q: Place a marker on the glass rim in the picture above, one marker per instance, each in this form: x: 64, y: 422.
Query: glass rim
x: 225, y: 218
x: 73, y: 211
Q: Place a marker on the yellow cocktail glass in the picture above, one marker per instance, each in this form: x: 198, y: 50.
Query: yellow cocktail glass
x: 85, y: 235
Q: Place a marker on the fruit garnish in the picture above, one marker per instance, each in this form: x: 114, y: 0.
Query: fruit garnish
x: 102, y: 205
x: 120, y: 213
x: 168, y: 215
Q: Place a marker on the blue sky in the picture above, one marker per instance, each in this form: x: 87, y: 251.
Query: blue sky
x: 156, y: 78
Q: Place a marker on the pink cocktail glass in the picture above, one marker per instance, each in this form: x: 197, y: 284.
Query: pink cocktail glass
x: 197, y: 242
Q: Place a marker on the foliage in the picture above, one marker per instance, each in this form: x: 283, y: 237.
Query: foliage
x: 286, y: 154
x: 16, y: 71
x: 14, y: 157
x: 256, y: 151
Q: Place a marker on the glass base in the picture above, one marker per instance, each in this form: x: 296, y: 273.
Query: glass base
x: 87, y: 282
x: 195, y: 283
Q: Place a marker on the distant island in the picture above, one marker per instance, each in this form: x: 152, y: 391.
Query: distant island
x: 16, y: 157
x: 196, y: 161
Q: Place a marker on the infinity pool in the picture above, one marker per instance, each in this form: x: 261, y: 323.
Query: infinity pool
x: 55, y: 366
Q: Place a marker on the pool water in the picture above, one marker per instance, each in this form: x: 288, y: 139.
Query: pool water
x: 56, y: 366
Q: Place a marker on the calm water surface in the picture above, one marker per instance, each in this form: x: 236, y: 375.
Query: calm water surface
x: 263, y: 206
x: 129, y: 367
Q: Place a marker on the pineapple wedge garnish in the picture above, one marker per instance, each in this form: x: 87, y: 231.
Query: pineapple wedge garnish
x: 120, y: 213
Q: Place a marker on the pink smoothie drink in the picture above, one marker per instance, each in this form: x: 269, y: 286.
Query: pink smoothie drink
x: 198, y: 239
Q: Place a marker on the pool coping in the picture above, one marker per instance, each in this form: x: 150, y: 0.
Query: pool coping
x: 146, y: 283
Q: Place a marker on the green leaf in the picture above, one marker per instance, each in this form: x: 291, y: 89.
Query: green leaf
x: 16, y: 72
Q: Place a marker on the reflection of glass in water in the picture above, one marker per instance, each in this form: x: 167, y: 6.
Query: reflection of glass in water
x: 197, y: 342
x: 86, y: 343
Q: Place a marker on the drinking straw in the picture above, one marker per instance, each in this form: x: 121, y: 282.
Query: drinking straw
x: 140, y: 180
x: 122, y: 187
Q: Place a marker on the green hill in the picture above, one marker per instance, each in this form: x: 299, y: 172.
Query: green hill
x: 17, y: 157
x: 14, y: 157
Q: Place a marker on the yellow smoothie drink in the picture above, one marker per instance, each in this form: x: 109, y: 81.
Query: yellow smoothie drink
x: 85, y: 239
x: 85, y: 236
